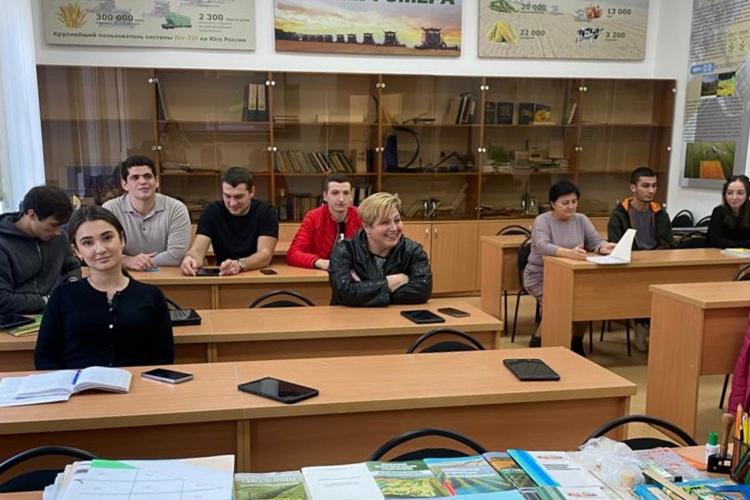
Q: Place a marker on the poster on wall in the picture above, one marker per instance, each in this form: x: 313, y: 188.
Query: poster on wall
x: 563, y: 29
x: 197, y: 24
x: 425, y: 28
x: 717, y: 96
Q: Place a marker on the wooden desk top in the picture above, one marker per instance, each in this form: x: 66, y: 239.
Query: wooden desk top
x: 661, y: 258
x: 286, y: 274
x: 240, y: 325
x: 346, y: 385
x: 507, y: 241
x: 716, y: 295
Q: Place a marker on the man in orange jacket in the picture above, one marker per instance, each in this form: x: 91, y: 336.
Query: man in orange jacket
x: 326, y: 225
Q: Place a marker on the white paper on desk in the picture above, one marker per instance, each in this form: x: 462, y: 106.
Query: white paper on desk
x: 341, y: 482
x: 621, y: 253
x: 9, y: 386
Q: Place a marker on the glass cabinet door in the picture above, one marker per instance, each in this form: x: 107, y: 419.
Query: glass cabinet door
x: 430, y: 144
x: 208, y: 122
x: 622, y: 127
x: 322, y: 123
x: 92, y: 119
x: 528, y: 144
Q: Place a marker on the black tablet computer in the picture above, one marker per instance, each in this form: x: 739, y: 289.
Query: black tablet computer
x: 278, y: 390
x: 184, y: 317
x: 422, y: 316
x: 12, y: 320
x: 531, y: 369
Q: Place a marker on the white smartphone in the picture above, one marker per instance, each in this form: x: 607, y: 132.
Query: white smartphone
x: 168, y: 376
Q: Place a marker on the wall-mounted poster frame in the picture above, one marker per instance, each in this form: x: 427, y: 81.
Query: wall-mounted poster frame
x: 563, y: 29
x: 426, y: 28
x: 218, y: 24
x: 717, y: 95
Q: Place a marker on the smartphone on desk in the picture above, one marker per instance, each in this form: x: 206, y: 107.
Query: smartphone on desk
x: 452, y: 311
x: 531, y: 369
x: 278, y: 390
x: 207, y: 271
x: 268, y: 271
x: 168, y: 376
x: 422, y: 316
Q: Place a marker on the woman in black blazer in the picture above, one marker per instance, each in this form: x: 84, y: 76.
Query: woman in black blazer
x: 730, y: 221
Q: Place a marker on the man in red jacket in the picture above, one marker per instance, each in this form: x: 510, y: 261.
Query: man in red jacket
x: 326, y: 225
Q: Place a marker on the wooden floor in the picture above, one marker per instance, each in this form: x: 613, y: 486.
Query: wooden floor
x: 612, y: 353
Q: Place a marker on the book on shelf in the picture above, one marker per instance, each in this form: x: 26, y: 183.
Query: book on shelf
x: 542, y: 114
x: 256, y: 103
x: 287, y: 485
x: 334, y: 160
x: 490, y: 112
x: 525, y: 113
x: 572, y: 112
x: 466, y: 109
x: 504, y: 114
x: 60, y: 385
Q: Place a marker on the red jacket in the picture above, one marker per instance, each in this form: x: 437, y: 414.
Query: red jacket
x: 741, y: 376
x: 316, y: 236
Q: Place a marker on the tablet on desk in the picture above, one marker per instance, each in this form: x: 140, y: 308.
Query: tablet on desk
x: 207, y: 271
x: 422, y: 316
x: 12, y: 320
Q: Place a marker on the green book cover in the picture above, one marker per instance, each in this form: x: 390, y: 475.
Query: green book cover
x: 509, y: 470
x: 411, y: 479
x: 29, y: 329
x: 465, y: 475
x: 269, y: 486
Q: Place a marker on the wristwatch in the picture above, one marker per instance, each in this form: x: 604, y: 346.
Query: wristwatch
x: 241, y: 264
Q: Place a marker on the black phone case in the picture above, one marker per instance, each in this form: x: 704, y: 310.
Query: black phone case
x: 246, y: 388
x: 531, y: 370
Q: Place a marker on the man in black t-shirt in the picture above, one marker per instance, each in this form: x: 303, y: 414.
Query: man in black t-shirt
x: 243, y: 231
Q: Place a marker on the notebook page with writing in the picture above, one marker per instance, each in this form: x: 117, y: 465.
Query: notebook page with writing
x: 102, y: 378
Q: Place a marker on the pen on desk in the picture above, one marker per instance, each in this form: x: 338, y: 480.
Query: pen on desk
x: 75, y: 377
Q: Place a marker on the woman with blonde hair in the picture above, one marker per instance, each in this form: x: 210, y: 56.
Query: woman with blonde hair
x: 379, y: 265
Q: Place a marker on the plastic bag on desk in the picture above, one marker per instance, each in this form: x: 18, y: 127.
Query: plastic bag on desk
x: 613, y: 462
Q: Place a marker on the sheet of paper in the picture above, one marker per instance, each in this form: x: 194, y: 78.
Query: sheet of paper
x: 46, y: 384
x: 341, y: 482
x: 9, y: 387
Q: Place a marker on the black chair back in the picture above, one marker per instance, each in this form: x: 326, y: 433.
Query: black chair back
x: 704, y: 222
x: 743, y: 274
x: 298, y: 300
x: 427, y: 452
x: 524, y: 251
x: 448, y: 345
x: 514, y: 229
x: 38, y: 479
x: 646, y: 443
x: 683, y: 218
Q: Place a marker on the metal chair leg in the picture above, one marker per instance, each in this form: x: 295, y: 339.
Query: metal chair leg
x: 515, y: 318
x: 505, y: 311
x: 601, y: 334
x: 591, y: 336
x: 627, y: 335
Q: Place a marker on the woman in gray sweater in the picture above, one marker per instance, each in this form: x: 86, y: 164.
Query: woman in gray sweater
x: 561, y: 232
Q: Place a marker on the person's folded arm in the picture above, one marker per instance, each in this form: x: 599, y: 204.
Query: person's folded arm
x: 351, y: 291
x: 50, y: 341
x: 419, y: 288
x: 178, y: 239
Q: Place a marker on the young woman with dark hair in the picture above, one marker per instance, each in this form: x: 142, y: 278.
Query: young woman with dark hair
x: 107, y: 319
x: 730, y: 221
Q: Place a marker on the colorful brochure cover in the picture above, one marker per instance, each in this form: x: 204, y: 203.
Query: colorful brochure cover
x: 411, y: 479
x: 554, y: 468
x: 514, y: 476
x: 270, y: 486
x: 463, y: 475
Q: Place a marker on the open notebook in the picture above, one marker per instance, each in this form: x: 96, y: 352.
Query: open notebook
x: 621, y: 253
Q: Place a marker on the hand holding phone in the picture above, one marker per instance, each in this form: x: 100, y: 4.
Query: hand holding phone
x: 168, y: 376
x: 278, y: 390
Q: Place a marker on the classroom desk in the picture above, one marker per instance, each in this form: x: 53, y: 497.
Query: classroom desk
x: 577, y: 290
x: 296, y: 332
x: 696, y: 329
x: 363, y: 402
x: 226, y: 292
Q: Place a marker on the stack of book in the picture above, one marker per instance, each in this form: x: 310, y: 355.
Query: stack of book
x: 206, y: 477
x: 24, y: 330
x: 461, y: 109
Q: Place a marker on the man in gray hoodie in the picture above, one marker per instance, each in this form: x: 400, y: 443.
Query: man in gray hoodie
x: 35, y: 254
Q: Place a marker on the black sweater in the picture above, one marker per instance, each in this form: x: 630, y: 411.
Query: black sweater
x: 721, y: 236
x: 80, y: 328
